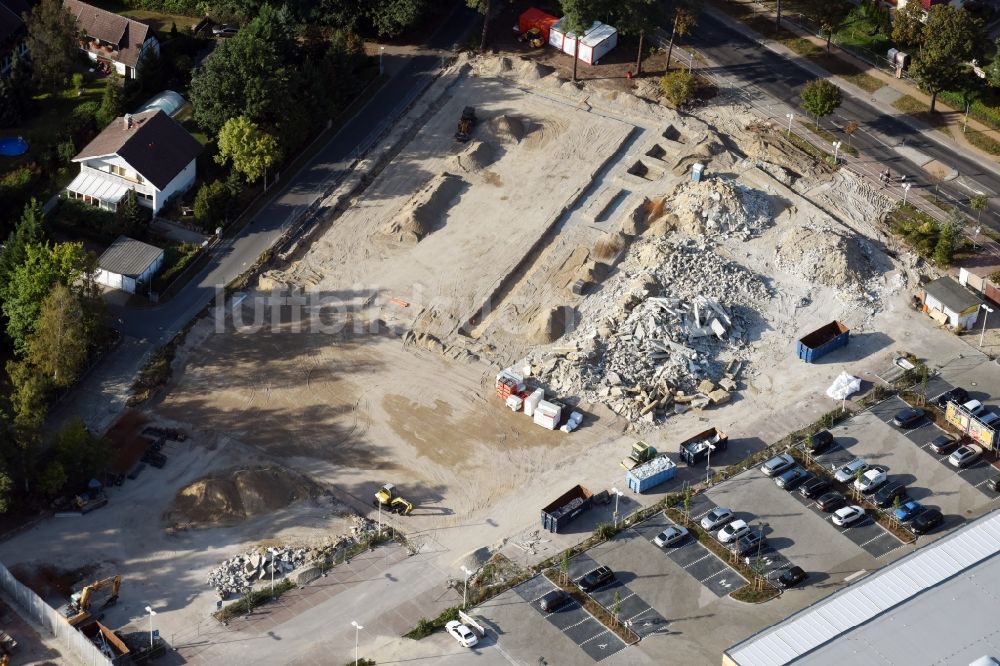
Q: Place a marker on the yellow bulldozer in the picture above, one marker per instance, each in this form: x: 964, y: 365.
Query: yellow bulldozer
x: 389, y: 500
x: 77, y: 611
x: 533, y: 36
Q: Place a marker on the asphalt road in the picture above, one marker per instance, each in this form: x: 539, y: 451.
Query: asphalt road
x: 765, y: 73
x: 234, y: 256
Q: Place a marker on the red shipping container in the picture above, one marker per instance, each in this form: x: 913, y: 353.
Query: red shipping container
x: 536, y: 18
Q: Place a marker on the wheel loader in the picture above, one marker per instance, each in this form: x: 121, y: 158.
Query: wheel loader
x: 533, y: 36
x: 389, y: 500
x: 465, y: 124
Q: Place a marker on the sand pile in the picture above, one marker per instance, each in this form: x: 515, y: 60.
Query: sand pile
x: 238, y: 495
x: 508, y: 129
x: 426, y: 211
x: 475, y: 158
x: 715, y: 206
x: 553, y: 324
x: 825, y: 254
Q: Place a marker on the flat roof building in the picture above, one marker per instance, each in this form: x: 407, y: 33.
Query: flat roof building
x: 937, y: 605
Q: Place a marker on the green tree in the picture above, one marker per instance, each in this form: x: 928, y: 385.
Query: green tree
x: 637, y: 17
x: 993, y: 69
x: 820, y: 98
x: 616, y: 606
x: 684, y: 20
x: 944, y: 251
x: 678, y: 87
x: 52, y: 42
x: 211, y: 204
x: 829, y: 15
x: 59, y: 346
x: 16, y: 94
x: 908, y: 25
x: 82, y: 454
x: 132, y: 216
x: 484, y: 7
x: 28, y: 402
x: 391, y: 17
x: 111, y: 103
x: 53, y: 478
x: 950, y: 39
x: 578, y: 16
x: 6, y: 485
x: 29, y: 231
x: 979, y: 203
x: 250, y: 149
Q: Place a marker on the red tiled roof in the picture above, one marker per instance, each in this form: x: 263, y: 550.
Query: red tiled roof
x: 125, y: 33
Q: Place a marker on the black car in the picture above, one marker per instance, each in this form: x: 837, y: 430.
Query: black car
x: 553, y: 601
x: 926, y: 521
x: 957, y: 394
x: 943, y: 444
x: 887, y: 494
x: 751, y: 543
x: 814, y: 488
x: 791, y: 577
x: 908, y: 417
x: 831, y: 502
x: 596, y: 579
x: 821, y: 441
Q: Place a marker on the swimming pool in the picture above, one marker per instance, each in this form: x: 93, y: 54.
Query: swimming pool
x: 12, y: 146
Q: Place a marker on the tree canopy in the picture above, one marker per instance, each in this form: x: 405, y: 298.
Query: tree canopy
x: 908, y: 25
x: 820, y: 98
x: 949, y: 41
x: 52, y: 42
x: 250, y: 149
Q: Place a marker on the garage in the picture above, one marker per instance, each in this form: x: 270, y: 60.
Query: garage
x: 128, y: 264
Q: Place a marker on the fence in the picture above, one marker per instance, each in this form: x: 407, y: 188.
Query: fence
x: 30, y: 606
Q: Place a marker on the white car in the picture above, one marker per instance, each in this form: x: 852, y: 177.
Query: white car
x: 847, y: 473
x: 871, y: 480
x: 717, y: 517
x: 461, y: 633
x: 733, y: 531
x: 671, y: 536
x: 965, y: 455
x: 848, y: 515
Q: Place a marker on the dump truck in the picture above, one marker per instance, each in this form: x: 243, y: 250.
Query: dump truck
x: 108, y: 643
x: 389, y: 500
x: 650, y: 474
x: 564, y: 510
x: 822, y: 341
x: 695, y: 449
x: 641, y: 452
x: 465, y: 124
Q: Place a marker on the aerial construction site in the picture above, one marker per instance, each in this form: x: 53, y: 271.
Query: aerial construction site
x: 648, y: 270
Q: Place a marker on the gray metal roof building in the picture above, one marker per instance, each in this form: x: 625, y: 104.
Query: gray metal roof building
x: 938, y: 605
x: 129, y: 257
x: 953, y: 295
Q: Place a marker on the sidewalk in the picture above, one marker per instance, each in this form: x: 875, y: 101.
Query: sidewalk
x: 952, y: 120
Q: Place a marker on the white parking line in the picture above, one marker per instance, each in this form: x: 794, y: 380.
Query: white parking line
x: 874, y: 538
x: 593, y: 637
x: 632, y: 619
x: 586, y: 619
x: 703, y: 557
x: 726, y: 570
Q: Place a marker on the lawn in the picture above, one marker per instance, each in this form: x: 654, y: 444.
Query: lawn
x: 158, y: 20
x: 48, y: 125
x: 860, y: 33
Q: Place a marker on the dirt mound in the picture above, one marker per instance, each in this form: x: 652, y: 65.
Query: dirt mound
x: 426, y: 211
x: 826, y: 255
x: 237, y: 495
x: 507, y: 128
x: 553, y: 324
x: 476, y: 157
x: 716, y: 206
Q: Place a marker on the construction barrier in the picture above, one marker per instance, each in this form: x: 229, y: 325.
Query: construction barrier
x: 35, y: 611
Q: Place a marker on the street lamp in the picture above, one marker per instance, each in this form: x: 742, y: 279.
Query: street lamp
x: 789, y: 116
x: 357, y: 630
x: 906, y: 190
x: 708, y: 464
x: 273, y: 553
x: 982, y: 336
x: 381, y: 52
x: 151, y: 614
x: 465, y: 589
x: 836, y: 150
x: 618, y: 494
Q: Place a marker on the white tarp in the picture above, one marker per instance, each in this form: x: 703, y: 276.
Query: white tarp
x: 843, y: 386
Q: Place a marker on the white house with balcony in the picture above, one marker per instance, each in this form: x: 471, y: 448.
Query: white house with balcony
x: 147, y: 152
x: 112, y: 41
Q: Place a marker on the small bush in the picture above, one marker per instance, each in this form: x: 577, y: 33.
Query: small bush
x: 83, y: 117
x: 678, y: 88
x: 605, y: 531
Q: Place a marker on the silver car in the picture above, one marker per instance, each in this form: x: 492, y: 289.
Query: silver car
x: 671, y: 536
x: 849, y: 471
x: 716, y: 518
x: 777, y: 464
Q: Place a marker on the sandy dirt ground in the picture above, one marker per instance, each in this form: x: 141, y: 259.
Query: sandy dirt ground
x: 350, y: 363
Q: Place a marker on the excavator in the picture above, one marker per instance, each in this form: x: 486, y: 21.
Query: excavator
x: 77, y: 611
x: 387, y: 498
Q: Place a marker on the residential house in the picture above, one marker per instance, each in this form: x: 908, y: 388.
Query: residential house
x: 112, y: 41
x: 13, y: 34
x: 948, y: 302
x: 147, y: 152
x: 128, y: 264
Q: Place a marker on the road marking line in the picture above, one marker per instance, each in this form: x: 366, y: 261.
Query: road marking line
x: 713, y: 575
x: 649, y: 608
x: 586, y: 619
x: 874, y: 538
x: 703, y: 557
x: 857, y: 574
x: 593, y: 637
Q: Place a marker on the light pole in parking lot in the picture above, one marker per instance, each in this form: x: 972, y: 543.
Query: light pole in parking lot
x: 789, y: 116
x: 357, y: 630
x: 982, y: 336
x: 618, y: 494
x: 465, y: 588
x: 708, y: 464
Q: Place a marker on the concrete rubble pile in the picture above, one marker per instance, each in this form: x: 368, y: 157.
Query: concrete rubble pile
x: 236, y: 575
x: 718, y: 207
x: 666, y: 334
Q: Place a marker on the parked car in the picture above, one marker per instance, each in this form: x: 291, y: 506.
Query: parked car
x: 831, y: 502
x: 848, y: 515
x: 908, y: 417
x: 957, y: 394
x: 871, y: 480
x: 965, y: 455
x: 847, y: 473
x: 943, y: 444
x: 777, y: 464
x: 671, y: 536
x: 821, y: 441
x: 974, y: 407
x: 793, y: 477
x: 926, y: 521
x: 751, y: 542
x: 814, y: 488
x: 887, y: 494
x: 716, y: 518
x: 992, y: 484
x: 461, y: 633
x: 989, y: 418
x: 596, y: 578
x: 553, y: 601
x: 733, y: 531
x: 908, y: 510
x: 225, y: 30
x: 791, y: 577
